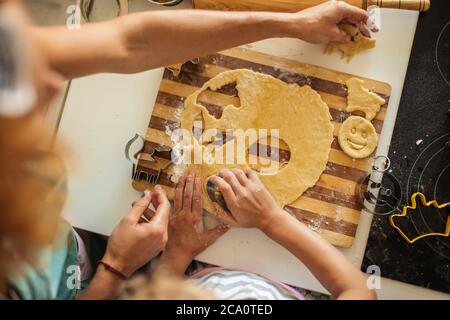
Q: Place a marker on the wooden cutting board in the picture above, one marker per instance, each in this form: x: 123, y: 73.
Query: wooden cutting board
x: 330, y: 207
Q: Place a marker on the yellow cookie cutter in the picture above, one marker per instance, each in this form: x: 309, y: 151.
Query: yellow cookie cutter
x: 423, y: 199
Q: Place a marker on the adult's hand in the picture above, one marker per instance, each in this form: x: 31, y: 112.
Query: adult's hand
x: 187, y: 235
x: 135, y: 241
x: 319, y: 24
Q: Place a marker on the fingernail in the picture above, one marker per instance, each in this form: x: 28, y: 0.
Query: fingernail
x: 158, y: 187
x: 146, y: 194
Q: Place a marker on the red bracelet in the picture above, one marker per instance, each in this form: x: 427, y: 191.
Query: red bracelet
x: 113, y: 270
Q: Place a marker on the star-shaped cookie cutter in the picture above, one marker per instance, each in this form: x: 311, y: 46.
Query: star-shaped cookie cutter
x: 413, y: 206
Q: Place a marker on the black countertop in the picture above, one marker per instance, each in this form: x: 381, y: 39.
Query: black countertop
x: 420, y: 161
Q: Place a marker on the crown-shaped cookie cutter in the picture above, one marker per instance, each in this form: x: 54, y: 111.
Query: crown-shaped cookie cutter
x: 413, y: 206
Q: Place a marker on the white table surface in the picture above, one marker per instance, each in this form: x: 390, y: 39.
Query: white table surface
x: 103, y: 112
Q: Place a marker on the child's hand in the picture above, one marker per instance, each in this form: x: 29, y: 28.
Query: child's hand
x: 134, y: 241
x: 249, y: 201
x: 187, y: 237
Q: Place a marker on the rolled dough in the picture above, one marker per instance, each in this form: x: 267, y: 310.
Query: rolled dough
x: 357, y: 137
x: 300, y: 115
x: 357, y: 44
x: 361, y: 99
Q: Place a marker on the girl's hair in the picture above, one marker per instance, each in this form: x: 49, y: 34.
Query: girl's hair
x: 160, y: 285
x: 31, y: 193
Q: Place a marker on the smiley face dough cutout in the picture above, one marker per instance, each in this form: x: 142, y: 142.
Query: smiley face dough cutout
x: 361, y: 99
x: 357, y: 137
x: 300, y: 115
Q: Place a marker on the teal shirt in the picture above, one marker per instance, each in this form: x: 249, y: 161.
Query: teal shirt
x: 57, y: 274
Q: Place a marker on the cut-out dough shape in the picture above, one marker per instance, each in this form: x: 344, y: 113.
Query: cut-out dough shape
x: 361, y: 99
x: 357, y: 44
x: 357, y: 137
x: 300, y: 115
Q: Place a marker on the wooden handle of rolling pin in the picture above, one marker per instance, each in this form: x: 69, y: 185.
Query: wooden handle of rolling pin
x: 297, y: 5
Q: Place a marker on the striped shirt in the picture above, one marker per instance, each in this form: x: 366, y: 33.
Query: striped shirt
x: 240, y: 285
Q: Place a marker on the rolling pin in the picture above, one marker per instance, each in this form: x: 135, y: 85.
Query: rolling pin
x: 297, y: 5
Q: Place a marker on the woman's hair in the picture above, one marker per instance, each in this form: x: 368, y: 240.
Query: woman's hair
x: 31, y: 193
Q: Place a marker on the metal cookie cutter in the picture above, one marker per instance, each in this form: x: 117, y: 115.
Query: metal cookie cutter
x: 156, y: 151
x: 141, y: 175
x: 176, y: 69
x: 413, y: 206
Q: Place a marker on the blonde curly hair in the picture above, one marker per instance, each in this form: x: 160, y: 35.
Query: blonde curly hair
x: 160, y: 285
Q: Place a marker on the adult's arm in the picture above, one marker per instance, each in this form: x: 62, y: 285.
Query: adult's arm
x: 146, y: 40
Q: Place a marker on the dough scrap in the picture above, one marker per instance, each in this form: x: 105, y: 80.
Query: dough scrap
x: 300, y: 115
x: 361, y: 99
x: 357, y: 44
x: 357, y: 137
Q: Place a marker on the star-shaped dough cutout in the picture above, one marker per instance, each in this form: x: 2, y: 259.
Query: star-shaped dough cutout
x: 361, y: 99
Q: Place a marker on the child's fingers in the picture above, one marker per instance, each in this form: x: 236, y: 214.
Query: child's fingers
x: 240, y: 175
x: 251, y: 174
x: 225, y: 189
x: 231, y: 179
x: 256, y: 181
